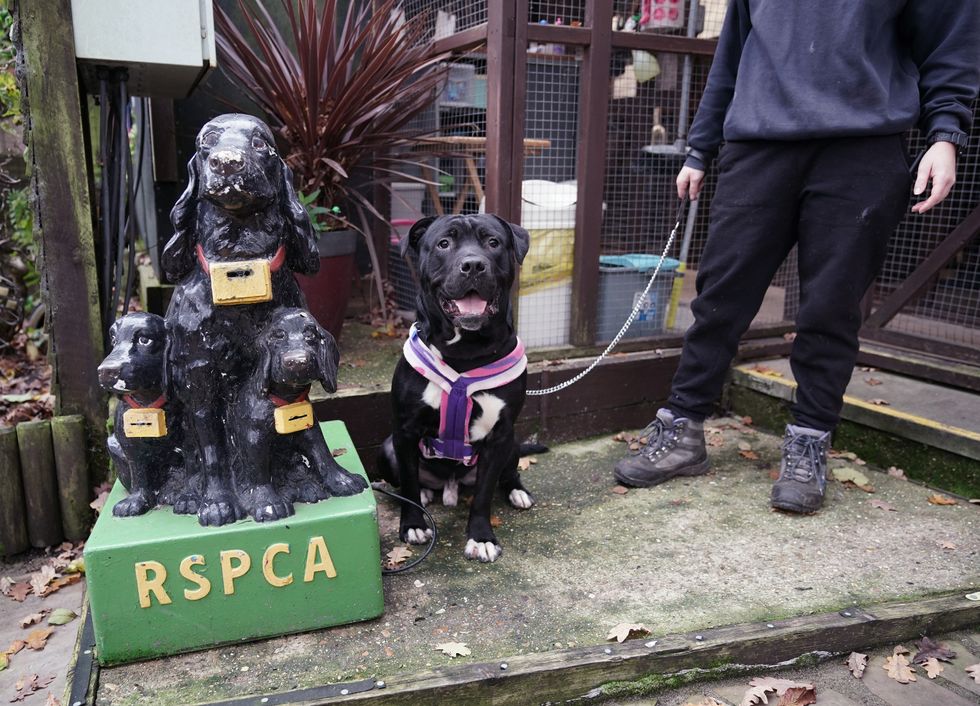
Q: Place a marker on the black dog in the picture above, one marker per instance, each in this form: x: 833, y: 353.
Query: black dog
x: 467, y: 265
x: 239, y: 205
x: 150, y: 467
x: 277, y: 469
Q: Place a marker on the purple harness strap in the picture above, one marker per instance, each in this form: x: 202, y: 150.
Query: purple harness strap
x: 456, y: 405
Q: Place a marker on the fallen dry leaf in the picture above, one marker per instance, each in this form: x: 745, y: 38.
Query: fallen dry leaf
x: 747, y: 421
x: 933, y: 668
x: 61, y: 616
x: 16, y: 646
x: 896, y: 473
x: 761, y: 686
x: 937, y: 499
x: 945, y: 545
x: 624, y: 631
x: 338, y: 452
x: 525, y: 462
x: 798, y: 696
x: 4, y: 661
x: 41, y: 578
x: 846, y: 475
x: 620, y: 490
x: 37, y: 639
x: 790, y: 337
x: 874, y: 382
x: 397, y: 556
x: 901, y: 650
x: 61, y: 582
x: 929, y: 649
x: 19, y: 591
x: 880, y: 402
x: 29, y: 685
x: 619, y: 437
x: 774, y: 474
x: 749, y: 454
x: 881, y: 505
x: 744, y: 446
x: 634, y: 446
x: 5, y: 584
x: 454, y: 649
x: 898, y: 668
x: 867, y: 369
x: 763, y: 370
x: 29, y: 620
x: 495, y: 521
x: 857, y: 662
x: 52, y: 700
x: 974, y: 671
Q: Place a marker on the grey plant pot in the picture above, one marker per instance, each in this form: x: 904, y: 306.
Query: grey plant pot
x: 334, y: 243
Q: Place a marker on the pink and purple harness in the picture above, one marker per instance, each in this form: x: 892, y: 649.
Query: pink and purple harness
x: 456, y: 405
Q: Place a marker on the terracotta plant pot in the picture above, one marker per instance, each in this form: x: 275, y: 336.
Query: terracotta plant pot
x: 328, y: 291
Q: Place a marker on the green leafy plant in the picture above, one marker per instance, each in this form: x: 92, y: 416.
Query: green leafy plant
x: 319, y: 215
x: 341, y: 83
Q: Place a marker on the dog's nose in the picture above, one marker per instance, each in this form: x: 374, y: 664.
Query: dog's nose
x: 473, y: 266
x: 295, y: 360
x: 108, y: 374
x: 226, y: 162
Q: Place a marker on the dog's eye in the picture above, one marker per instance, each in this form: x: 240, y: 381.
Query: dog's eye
x: 209, y: 140
x: 443, y: 244
x: 259, y: 144
x: 144, y: 341
x: 493, y: 243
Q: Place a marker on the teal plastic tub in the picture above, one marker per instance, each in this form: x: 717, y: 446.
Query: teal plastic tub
x: 622, y: 279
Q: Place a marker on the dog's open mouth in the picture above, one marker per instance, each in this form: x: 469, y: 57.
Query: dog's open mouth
x: 469, y: 311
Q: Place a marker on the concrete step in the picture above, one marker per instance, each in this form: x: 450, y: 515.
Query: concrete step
x: 929, y: 430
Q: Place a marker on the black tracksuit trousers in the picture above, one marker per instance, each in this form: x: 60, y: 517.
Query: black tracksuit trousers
x: 839, y: 200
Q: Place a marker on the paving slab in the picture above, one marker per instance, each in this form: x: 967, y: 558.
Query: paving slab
x: 687, y: 555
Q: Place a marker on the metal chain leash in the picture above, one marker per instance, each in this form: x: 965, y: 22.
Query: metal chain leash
x: 629, y: 319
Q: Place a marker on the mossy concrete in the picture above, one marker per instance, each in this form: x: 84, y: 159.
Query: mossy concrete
x: 680, y: 557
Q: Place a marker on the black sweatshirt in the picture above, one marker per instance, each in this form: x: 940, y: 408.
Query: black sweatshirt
x: 802, y: 69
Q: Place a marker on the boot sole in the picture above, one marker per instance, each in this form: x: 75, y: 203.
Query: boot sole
x: 698, y: 469
x: 791, y: 507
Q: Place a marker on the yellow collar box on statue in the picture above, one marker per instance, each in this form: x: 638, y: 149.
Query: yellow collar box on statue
x: 160, y: 583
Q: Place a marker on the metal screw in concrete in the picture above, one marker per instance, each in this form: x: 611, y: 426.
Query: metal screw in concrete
x: 379, y: 684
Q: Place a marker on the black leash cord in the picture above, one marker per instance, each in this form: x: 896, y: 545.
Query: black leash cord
x: 432, y: 523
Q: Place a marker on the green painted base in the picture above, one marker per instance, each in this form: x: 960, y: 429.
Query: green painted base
x: 160, y: 583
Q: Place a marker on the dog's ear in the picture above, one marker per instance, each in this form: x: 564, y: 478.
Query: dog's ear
x: 179, y: 253
x: 302, y: 255
x: 327, y: 360
x: 411, y: 241
x: 520, y: 238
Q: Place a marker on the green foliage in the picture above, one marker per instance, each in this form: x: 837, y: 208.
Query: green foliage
x: 323, y: 219
x: 9, y: 93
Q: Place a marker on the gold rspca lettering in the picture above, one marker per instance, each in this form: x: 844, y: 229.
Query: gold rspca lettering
x: 203, y: 584
x: 318, y: 559
x: 146, y: 585
x: 267, y: 568
x: 228, y: 572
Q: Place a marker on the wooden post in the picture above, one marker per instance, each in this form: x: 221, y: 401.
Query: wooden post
x: 71, y: 465
x: 13, y: 529
x: 62, y: 213
x: 40, y: 483
x: 591, y: 170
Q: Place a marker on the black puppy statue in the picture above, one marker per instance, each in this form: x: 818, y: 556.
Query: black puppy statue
x: 282, y: 455
x: 239, y: 234
x: 146, y: 438
x: 236, y: 334
x: 460, y: 384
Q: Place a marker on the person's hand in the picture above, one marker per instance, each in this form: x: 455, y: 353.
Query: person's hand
x: 689, y: 182
x: 939, y: 165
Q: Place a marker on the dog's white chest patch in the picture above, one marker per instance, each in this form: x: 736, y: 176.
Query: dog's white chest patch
x: 432, y: 395
x: 491, y: 406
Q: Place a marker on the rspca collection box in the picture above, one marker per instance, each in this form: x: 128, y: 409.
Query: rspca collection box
x: 622, y: 279
x: 160, y: 583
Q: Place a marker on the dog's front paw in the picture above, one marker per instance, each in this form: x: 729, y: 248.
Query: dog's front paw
x: 427, y: 496
x: 187, y: 504
x: 521, y: 499
x: 218, y: 509
x: 265, y: 504
x: 135, y: 504
x: 341, y: 483
x: 307, y: 491
x: 416, y: 535
x: 484, y: 551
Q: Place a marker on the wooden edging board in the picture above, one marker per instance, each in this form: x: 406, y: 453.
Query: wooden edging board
x: 573, y: 673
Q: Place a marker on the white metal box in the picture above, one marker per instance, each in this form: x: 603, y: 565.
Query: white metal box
x: 167, y: 46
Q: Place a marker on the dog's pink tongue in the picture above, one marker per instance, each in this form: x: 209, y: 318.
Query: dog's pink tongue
x: 471, y: 304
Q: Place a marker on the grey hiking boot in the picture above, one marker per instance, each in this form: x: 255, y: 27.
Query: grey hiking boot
x: 670, y: 448
x: 803, y: 472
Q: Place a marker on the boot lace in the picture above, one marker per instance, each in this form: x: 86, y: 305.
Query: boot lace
x: 661, y: 439
x: 803, y: 454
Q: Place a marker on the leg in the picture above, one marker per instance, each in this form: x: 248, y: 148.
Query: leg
x: 481, y: 542
x: 255, y: 489
x: 855, y: 198
x: 140, y: 498
x: 752, y: 229
x: 510, y: 482
x: 412, y: 527
x: 338, y: 481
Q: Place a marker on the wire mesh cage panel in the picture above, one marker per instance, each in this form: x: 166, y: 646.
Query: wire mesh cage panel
x: 949, y: 309
x: 447, y: 17
x: 549, y: 195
